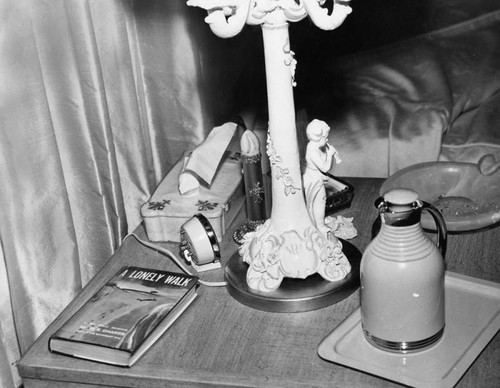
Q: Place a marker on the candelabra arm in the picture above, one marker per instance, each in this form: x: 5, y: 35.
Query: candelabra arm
x: 320, y: 16
x: 226, y: 18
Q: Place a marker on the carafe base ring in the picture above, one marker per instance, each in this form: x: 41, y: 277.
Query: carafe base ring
x: 403, y: 347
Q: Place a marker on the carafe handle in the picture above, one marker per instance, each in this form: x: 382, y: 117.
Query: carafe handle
x: 440, y: 226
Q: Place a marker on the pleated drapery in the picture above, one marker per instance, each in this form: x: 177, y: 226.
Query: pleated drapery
x: 98, y: 99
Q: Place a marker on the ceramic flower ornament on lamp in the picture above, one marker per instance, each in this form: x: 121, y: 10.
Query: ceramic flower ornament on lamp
x: 288, y: 244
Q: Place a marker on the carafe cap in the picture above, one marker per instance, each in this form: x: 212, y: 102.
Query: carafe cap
x: 401, y: 203
x: 401, y: 197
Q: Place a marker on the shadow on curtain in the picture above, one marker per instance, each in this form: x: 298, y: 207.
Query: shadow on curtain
x: 98, y: 100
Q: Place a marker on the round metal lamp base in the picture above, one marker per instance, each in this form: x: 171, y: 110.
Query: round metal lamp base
x: 293, y: 295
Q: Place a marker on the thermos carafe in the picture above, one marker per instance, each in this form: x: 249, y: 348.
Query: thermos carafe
x: 402, y: 277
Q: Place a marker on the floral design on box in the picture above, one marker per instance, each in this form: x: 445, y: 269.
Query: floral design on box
x: 235, y: 156
x: 158, y: 205
x: 205, y: 205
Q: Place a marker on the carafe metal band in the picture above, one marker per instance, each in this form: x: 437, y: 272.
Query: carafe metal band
x: 403, y: 347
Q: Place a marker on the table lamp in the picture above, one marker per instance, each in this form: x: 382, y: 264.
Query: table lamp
x: 288, y: 244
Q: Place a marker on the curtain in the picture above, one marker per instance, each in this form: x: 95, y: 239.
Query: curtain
x: 98, y: 99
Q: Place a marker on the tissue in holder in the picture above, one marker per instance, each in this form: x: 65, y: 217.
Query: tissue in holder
x: 167, y: 210
x: 204, y: 160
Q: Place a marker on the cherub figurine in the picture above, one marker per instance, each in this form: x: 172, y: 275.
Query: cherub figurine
x: 319, y: 159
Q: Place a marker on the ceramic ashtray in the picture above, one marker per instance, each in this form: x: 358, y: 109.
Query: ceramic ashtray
x: 466, y: 194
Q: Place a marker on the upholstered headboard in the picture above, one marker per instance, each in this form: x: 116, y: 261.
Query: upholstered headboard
x: 435, y: 96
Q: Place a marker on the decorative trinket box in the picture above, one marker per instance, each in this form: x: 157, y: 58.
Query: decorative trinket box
x: 167, y: 210
x: 339, y: 194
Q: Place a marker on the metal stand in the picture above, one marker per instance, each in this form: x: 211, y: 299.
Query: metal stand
x: 293, y: 295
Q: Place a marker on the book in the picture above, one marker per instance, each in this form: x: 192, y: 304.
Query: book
x: 122, y: 320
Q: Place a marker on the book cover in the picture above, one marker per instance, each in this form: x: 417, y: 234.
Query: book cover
x: 126, y: 316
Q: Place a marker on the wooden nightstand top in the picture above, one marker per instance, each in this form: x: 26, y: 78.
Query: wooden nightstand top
x: 219, y: 341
